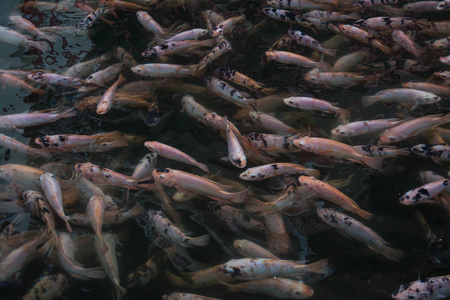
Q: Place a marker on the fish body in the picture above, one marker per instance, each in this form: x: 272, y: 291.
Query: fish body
x: 325, y: 191
x: 272, y: 142
x: 271, y: 124
x: 424, y: 193
x: 85, y: 68
x: 108, y: 261
x: 277, y: 169
x: 92, y: 17
x: 55, y: 79
x: 439, y: 153
x: 364, y: 36
x: 336, y: 149
x: 416, y: 97
x: 191, y: 183
x: 110, y: 217
x: 413, y: 127
x: 386, y: 23
x: 53, y: 193
x: 40, y: 208
x: 350, y: 227
x: 107, y: 100
x: 431, y: 288
x: 236, y: 153
x: 105, y: 176
x: 308, y: 103
x: 34, y: 118
x: 163, y: 225
x: 249, y: 269
x: 308, y: 41
x: 251, y: 250
x: 226, y: 26
x: 174, y: 47
x: 229, y: 93
x: 295, y: 59
x: 193, y: 34
x: 101, y: 77
x: 146, y: 166
x: 161, y: 70
x: 405, y: 42
x: 151, y: 25
x: 381, y: 151
x: 365, y: 127
x: 241, y: 79
x: 436, y: 89
x: 47, y: 287
x: 174, y: 154
x: 96, y: 212
x: 11, y: 80
x: 193, y: 108
x: 216, y: 52
x: 16, y: 146
x: 13, y: 37
x: 65, y: 250
x: 235, y: 218
x: 26, y: 25
x: 333, y: 80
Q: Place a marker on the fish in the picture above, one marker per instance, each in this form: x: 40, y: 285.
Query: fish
x: 147, y: 271
x: 249, y: 249
x: 242, y: 80
x: 350, y: 227
x: 65, y: 251
x: 35, y: 118
x: 235, y: 218
x: 145, y: 167
x: 247, y: 269
x: 52, y: 190
x: 95, y: 210
x: 165, y: 227
x: 286, y: 57
x: 175, y: 47
x: 174, y: 154
x: 108, y: 261
x: 439, y: 153
x: 236, y: 154
x: 40, y: 208
x: 12, y: 81
x: 55, y: 79
x: 272, y: 124
x: 424, y: 193
x: 365, y: 127
x: 101, y: 77
x: 308, y: 103
x: 427, y: 288
x: 226, y: 26
x: 26, y: 25
x: 186, y: 296
x: 413, y: 127
x: 276, y: 169
x: 325, y: 191
x: 190, y: 183
x: 404, y: 41
x: 16, y: 146
x: 229, y: 93
x: 13, y: 37
x: 110, y: 217
x: 308, y: 41
x: 107, y: 100
x: 415, y: 97
x: 47, y: 287
x: 151, y: 25
x: 216, y: 52
x: 330, y: 148
x: 162, y: 70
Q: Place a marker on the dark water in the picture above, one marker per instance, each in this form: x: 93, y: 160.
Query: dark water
x: 358, y: 272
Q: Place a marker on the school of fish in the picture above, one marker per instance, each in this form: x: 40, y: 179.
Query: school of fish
x: 207, y: 149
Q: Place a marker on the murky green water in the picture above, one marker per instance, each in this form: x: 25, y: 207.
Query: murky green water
x: 358, y: 272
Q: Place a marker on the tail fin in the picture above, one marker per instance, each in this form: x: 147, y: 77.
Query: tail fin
x: 393, y: 254
x: 68, y: 227
x: 320, y: 267
x: 330, y: 52
x: 119, y: 292
x: 364, y: 214
x: 40, y: 45
x: 372, y: 162
x: 323, y: 66
x: 134, y: 211
x: 239, y: 197
x: 200, y: 241
x: 71, y: 112
x: 203, y: 167
x: 260, y: 208
x: 269, y: 90
x: 38, y: 91
x: 368, y: 100
x: 178, y: 281
x: 344, y: 112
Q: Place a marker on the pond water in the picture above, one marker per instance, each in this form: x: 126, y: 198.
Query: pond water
x: 357, y: 273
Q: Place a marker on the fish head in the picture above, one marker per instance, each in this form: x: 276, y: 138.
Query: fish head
x: 443, y: 5
x: 254, y: 116
x: 270, y: 55
x: 304, y: 144
x: 431, y: 98
x: 43, y: 141
x: 390, y: 138
x: 164, y: 176
x: 151, y: 52
x: 218, y: 30
x: 37, y: 77
x: 151, y: 146
x: 136, y: 69
x: 422, y: 149
x: 305, y: 180
x: 141, y: 15
x: 342, y: 131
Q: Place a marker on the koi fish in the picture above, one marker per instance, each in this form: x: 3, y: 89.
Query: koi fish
x: 13, y: 37
x: 307, y: 103
x: 308, y: 41
x: 424, y: 193
x: 349, y: 227
x: 431, y: 288
x: 325, y: 191
x: 365, y: 127
x: 161, y: 70
x: 283, y: 288
x: 415, y: 97
x: 107, y: 100
x: 277, y: 169
x: 295, y: 59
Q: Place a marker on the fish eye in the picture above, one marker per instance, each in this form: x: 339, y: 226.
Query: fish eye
x: 161, y: 176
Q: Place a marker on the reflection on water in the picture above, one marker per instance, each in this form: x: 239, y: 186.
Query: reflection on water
x: 358, y: 272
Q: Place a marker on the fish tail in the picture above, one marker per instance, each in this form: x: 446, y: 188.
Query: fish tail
x: 68, y: 227
x: 392, y: 254
x: 323, y: 65
x: 121, y: 79
x: 49, y: 245
x: 368, y: 100
x: 71, y: 112
x: 385, y: 49
x: 200, y: 241
x: 364, y: 214
x: 176, y: 280
x: 203, y: 167
x: 38, y: 91
x: 344, y: 112
x: 137, y: 209
x: 330, y: 52
x: 259, y: 208
x: 312, y: 172
x: 196, y: 70
x: 320, y: 267
x: 418, y: 52
x: 239, y: 197
x: 102, y: 247
x: 40, y: 45
x: 268, y: 91
x: 119, y: 291
x: 373, y: 162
